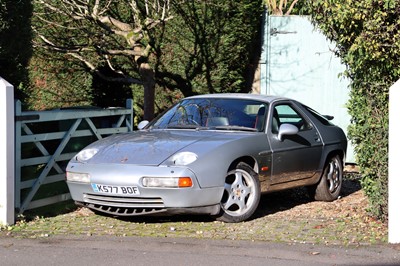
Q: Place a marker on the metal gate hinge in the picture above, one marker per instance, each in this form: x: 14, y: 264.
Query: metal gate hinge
x: 275, y: 31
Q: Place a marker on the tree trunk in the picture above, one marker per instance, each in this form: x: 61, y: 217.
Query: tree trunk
x: 148, y: 78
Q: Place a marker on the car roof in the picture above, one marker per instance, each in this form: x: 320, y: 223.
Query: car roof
x: 243, y: 96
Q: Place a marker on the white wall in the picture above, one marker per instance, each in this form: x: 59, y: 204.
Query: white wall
x: 7, y: 187
x: 394, y: 161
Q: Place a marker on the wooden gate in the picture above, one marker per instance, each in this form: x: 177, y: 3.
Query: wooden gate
x: 46, y: 140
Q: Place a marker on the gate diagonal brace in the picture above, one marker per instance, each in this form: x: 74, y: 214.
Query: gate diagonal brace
x: 93, y: 128
x: 49, y: 165
x: 41, y: 148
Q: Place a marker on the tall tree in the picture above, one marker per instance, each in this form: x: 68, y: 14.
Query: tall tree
x: 210, y: 46
x: 15, y: 42
x: 116, y: 35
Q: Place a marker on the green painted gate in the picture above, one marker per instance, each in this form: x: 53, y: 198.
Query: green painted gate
x: 46, y: 140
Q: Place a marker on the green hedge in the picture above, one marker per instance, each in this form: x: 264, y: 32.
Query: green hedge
x: 367, y: 34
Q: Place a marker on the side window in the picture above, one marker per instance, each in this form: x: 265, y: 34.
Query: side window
x: 284, y: 113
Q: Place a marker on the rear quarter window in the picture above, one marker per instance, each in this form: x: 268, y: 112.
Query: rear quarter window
x: 318, y: 116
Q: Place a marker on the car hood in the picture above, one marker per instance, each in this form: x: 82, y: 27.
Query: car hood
x: 150, y: 147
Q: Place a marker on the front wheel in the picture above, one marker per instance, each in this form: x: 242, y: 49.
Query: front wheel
x: 241, y: 195
x: 328, y: 188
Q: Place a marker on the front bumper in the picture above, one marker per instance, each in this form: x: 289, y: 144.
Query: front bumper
x: 150, y: 201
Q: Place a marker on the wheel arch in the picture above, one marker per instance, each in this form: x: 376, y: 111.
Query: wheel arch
x: 247, y: 160
x: 332, y: 153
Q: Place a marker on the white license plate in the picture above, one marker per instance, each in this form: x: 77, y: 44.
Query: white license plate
x: 115, y: 190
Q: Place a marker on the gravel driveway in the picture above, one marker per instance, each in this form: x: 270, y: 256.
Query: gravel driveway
x: 288, y: 216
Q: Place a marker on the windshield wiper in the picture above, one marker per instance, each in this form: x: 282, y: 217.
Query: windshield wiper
x: 239, y: 128
x: 182, y: 126
x: 228, y: 127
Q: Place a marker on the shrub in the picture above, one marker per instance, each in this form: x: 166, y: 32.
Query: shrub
x: 366, y: 33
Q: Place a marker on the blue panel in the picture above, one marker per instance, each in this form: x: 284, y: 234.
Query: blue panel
x: 301, y: 64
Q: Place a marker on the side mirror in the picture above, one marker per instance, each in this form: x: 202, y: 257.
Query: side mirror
x: 142, y: 124
x: 287, y: 129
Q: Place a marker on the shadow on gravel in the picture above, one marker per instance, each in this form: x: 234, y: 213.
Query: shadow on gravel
x: 288, y: 199
x: 49, y: 211
x: 269, y: 204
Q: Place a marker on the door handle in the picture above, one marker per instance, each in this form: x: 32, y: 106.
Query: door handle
x: 317, y: 138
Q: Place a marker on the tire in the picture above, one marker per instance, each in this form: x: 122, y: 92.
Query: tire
x: 330, y: 184
x: 241, y: 196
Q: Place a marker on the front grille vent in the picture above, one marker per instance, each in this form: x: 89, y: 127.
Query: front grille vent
x: 124, y: 206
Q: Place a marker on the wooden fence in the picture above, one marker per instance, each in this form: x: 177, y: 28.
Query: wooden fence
x: 46, y: 140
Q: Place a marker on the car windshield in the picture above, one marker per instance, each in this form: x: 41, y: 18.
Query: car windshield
x: 214, y: 113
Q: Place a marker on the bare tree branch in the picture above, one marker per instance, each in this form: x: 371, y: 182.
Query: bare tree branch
x: 124, y: 27
x: 278, y: 8
x: 93, y: 68
x: 97, y: 33
x: 291, y: 7
x: 57, y: 48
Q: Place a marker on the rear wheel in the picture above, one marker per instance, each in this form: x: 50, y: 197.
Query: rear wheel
x: 328, y: 188
x: 241, y: 195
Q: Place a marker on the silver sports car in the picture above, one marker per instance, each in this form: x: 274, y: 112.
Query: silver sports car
x: 211, y: 154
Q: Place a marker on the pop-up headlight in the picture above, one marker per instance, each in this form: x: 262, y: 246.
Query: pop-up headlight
x: 182, y: 158
x: 86, y: 154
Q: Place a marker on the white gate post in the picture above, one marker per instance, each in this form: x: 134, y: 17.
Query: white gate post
x: 7, y: 177
x: 394, y: 161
